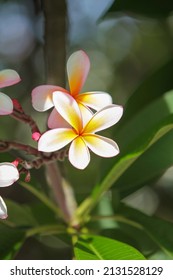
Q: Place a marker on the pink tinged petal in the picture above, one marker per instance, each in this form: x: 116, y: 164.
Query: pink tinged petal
x: 79, y: 155
x: 86, y: 113
x: 68, y: 108
x: 102, y: 146
x: 3, y: 209
x: 42, y: 97
x: 104, y: 118
x: 55, y: 139
x: 8, y: 77
x: 6, y: 104
x: 78, y: 66
x: 8, y: 174
x: 96, y: 99
x: 56, y: 121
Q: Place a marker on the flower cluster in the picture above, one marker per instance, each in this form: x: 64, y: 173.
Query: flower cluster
x: 73, y: 119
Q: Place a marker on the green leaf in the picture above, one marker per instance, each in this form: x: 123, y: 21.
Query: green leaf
x: 156, y: 159
x: 145, y: 142
x: 160, y: 231
x: 149, y: 8
x: 94, y: 247
x: 152, y: 88
x: 147, y: 168
x: 11, y: 239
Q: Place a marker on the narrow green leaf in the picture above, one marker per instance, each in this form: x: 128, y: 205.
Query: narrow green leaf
x: 92, y: 247
x: 153, y: 87
x: 155, y: 160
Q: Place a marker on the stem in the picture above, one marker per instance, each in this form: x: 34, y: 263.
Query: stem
x: 46, y: 230
x: 55, y: 40
x: 8, y: 145
x: 19, y: 114
x: 55, y: 63
x: 55, y: 181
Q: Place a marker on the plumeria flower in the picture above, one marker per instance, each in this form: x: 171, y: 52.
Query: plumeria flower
x: 78, y: 66
x: 8, y: 77
x: 8, y: 175
x: 82, y: 136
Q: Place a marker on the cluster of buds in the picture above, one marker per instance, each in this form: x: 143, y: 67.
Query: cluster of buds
x: 75, y: 119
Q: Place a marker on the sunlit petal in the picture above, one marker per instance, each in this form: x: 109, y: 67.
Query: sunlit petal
x: 8, y: 77
x: 42, y: 97
x: 6, y: 104
x: 101, y: 146
x: 3, y: 209
x: 96, y: 99
x: 56, y: 121
x: 79, y: 155
x: 104, y: 118
x: 55, y: 139
x: 68, y: 108
x: 78, y: 66
x: 8, y: 174
x: 86, y: 113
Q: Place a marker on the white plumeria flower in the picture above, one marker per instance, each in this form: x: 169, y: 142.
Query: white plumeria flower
x: 8, y: 175
x: 78, y: 66
x: 8, y: 77
x: 81, y: 135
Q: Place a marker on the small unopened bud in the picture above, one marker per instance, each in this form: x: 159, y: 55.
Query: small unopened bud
x: 36, y: 136
x: 16, y: 162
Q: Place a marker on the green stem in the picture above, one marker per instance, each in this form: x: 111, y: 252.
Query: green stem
x: 117, y: 218
x: 46, y: 230
x: 41, y: 197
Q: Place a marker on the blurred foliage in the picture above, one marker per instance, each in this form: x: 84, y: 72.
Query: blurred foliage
x: 130, y: 47
x: 149, y: 8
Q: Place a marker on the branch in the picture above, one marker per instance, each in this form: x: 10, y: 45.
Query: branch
x: 55, y: 61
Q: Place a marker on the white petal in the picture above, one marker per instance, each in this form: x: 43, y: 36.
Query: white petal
x: 104, y: 118
x: 55, y: 139
x: 6, y: 104
x: 3, y: 209
x: 86, y: 113
x: 68, y: 108
x: 42, y: 97
x: 102, y: 146
x: 8, y: 174
x: 95, y: 99
x: 8, y: 77
x: 56, y: 121
x: 79, y: 155
x: 78, y: 66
